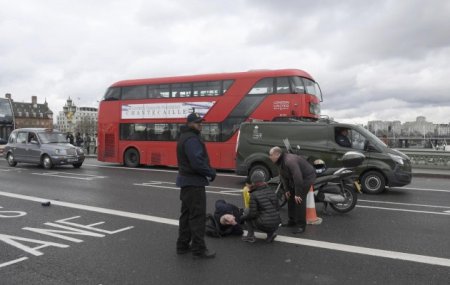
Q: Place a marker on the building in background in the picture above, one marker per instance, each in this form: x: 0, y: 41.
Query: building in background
x: 75, y: 119
x: 31, y: 115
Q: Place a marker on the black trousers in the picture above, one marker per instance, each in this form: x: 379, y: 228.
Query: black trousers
x: 191, y: 229
x: 297, y: 212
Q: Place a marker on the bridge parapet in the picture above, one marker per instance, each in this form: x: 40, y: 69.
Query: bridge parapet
x: 432, y: 159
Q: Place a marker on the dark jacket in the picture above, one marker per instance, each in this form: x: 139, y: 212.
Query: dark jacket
x: 264, y: 208
x: 223, y: 208
x: 343, y: 141
x: 296, y: 172
x: 193, y: 160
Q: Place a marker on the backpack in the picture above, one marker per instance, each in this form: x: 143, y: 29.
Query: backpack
x: 212, y: 227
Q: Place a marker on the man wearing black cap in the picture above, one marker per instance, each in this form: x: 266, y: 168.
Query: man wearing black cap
x: 194, y: 173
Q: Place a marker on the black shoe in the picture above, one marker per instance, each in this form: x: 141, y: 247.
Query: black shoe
x: 205, y: 254
x: 299, y: 230
x: 183, y: 250
x: 289, y: 224
x: 271, y: 237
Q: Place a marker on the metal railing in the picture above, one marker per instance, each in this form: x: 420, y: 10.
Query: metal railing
x: 428, y: 158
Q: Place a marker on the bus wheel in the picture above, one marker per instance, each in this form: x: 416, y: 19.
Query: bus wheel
x: 131, y: 158
x: 373, y: 182
x: 261, y: 168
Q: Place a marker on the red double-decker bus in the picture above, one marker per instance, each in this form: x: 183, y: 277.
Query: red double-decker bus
x: 139, y: 120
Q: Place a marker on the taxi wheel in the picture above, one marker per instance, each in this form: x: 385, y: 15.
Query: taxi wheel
x: 77, y: 165
x: 11, y: 160
x: 47, y: 162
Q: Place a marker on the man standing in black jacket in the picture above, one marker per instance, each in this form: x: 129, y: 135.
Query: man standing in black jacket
x: 194, y: 173
x: 297, y: 175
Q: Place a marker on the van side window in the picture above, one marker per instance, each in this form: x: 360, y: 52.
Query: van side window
x: 342, y: 137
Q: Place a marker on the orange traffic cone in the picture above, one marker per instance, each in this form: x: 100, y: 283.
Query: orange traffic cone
x: 311, y: 216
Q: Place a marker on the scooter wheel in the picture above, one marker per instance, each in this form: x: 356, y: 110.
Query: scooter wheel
x: 350, y: 200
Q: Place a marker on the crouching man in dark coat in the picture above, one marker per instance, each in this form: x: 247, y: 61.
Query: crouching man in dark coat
x: 264, y: 211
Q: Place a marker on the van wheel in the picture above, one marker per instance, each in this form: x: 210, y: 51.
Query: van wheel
x: 11, y: 160
x: 373, y: 182
x: 131, y: 158
x: 259, y: 168
x: 47, y: 162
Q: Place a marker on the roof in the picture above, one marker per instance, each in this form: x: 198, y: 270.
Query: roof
x: 215, y: 76
x: 34, y: 110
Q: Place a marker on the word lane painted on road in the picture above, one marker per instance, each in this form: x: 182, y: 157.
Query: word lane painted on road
x: 78, y: 176
x: 64, y: 229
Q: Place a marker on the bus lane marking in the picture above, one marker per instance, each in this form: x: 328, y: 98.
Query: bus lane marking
x: 87, y: 177
x: 60, y: 229
x: 286, y: 239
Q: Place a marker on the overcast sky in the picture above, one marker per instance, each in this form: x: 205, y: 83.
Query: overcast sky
x: 374, y: 60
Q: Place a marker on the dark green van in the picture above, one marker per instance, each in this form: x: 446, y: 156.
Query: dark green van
x: 382, y: 167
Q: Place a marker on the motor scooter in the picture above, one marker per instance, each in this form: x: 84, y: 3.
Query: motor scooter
x: 337, y: 187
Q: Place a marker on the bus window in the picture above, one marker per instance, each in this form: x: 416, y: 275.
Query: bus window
x: 210, y: 132
x: 134, y: 92
x: 159, y: 91
x: 181, y: 90
x: 311, y: 87
x: 264, y: 86
x: 297, y: 85
x: 112, y: 93
x: 226, y: 85
x: 283, y: 85
x: 133, y: 132
x: 207, y: 88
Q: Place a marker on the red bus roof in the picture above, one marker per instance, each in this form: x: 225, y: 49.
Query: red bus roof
x: 215, y: 76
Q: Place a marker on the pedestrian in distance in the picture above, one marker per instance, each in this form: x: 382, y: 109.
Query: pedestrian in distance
x: 264, y: 211
x: 78, y: 139
x: 194, y: 173
x: 95, y: 143
x: 87, y: 143
x: 70, y: 139
x: 297, y: 175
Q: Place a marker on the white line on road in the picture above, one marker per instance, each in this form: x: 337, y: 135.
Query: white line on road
x: 404, y: 210
x: 156, y: 170
x: 300, y: 241
x: 158, y: 184
x: 421, y: 189
x: 405, y: 204
x: 13, y: 262
x: 78, y: 176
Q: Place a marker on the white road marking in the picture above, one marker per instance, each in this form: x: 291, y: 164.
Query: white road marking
x: 13, y: 262
x: 406, y: 204
x: 70, y: 175
x: 421, y: 189
x: 300, y: 241
x: 404, y: 210
x: 159, y: 184
x: 155, y: 170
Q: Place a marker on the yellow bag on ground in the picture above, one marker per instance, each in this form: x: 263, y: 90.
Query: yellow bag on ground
x: 246, y: 196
